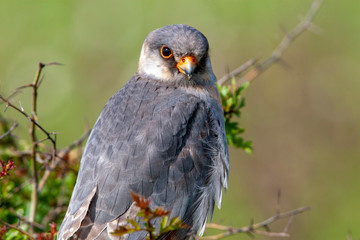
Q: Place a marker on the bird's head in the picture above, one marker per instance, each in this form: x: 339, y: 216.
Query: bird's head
x: 177, y: 54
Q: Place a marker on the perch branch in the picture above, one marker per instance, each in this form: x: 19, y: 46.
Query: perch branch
x: 255, y: 228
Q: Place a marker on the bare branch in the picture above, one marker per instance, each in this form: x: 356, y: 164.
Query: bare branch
x: 17, y: 229
x: 286, y: 229
x: 75, y: 144
x: 254, y: 227
x: 17, y: 90
x: 61, y: 206
x: 278, y: 202
x: 237, y: 71
x: 24, y: 219
x: 34, y: 147
x: 9, y: 104
x: 60, y: 156
x: 305, y: 24
x: 21, y: 107
x: 9, y: 131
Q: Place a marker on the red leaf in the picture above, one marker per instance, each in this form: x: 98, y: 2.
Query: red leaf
x: 53, y: 230
x: 140, y: 201
x: 2, y: 231
x: 10, y: 165
x: 41, y: 236
x: 5, y: 168
x: 159, y: 211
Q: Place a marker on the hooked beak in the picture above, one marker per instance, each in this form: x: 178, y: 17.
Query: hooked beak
x: 187, y: 65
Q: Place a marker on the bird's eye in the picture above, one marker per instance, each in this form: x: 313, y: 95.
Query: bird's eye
x: 166, y: 52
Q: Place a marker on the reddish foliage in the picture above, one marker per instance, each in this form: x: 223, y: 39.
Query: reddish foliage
x: 141, y: 201
x: 50, y: 234
x: 2, y: 231
x: 5, y: 168
x: 147, y: 216
x: 53, y: 230
x: 160, y: 212
x: 41, y: 237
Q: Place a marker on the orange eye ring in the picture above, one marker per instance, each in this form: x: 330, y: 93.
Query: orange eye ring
x: 166, y: 52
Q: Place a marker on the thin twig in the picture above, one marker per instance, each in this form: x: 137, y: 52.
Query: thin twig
x: 35, y: 191
x: 54, y: 213
x: 34, y: 147
x: 60, y: 156
x: 237, y: 71
x: 278, y: 201
x: 9, y: 104
x: 305, y: 24
x: 17, y: 229
x: 24, y: 219
x: 17, y: 90
x: 254, y: 227
x: 9, y: 131
x: 61, y: 206
x: 286, y: 229
x: 76, y: 143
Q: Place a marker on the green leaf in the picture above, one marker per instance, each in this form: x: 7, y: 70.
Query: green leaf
x: 134, y: 223
x: 229, y: 101
x: 174, y: 220
x: 224, y: 90
x: 163, y: 223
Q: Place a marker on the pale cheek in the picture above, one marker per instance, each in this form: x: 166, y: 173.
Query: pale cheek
x: 156, y: 71
x: 151, y: 65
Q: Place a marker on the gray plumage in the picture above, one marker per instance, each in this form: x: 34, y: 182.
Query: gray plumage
x: 162, y: 136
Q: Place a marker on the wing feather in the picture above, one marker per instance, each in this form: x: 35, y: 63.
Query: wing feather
x: 155, y: 141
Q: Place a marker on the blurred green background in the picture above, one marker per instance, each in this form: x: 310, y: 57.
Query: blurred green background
x: 303, y: 119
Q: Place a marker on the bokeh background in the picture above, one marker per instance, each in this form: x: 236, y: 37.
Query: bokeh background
x: 303, y: 118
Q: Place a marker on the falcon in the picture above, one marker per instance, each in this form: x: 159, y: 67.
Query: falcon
x: 161, y: 136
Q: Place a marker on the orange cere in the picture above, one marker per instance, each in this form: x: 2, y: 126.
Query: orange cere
x: 185, y: 61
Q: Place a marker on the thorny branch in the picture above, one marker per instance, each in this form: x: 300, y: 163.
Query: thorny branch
x: 34, y: 143
x: 258, y: 68
x: 9, y: 104
x: 254, y: 228
x: 34, y: 147
x: 35, y: 154
x: 60, y: 156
